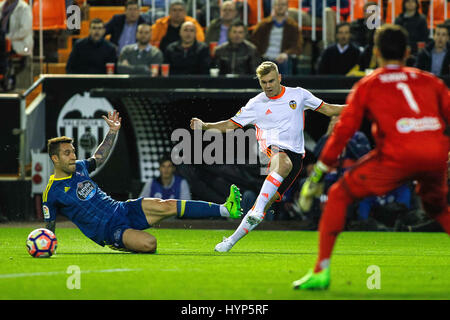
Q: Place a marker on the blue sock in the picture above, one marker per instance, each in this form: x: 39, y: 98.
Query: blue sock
x: 191, y: 209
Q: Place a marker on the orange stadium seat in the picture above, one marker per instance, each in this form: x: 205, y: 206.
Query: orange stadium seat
x: 253, y: 11
x: 358, y: 6
x: 438, y: 12
x: 398, y: 10
x: 53, y: 14
x: 294, y: 4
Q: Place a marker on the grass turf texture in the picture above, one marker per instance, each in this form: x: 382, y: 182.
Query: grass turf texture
x: 261, y: 266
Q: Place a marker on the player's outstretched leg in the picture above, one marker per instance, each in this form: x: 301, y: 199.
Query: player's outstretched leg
x: 245, y: 227
x: 280, y: 167
x: 248, y: 223
x: 202, y: 209
x: 233, y: 203
x: 138, y: 241
x: 157, y: 209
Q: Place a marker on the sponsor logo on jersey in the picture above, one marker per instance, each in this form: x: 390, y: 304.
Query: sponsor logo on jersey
x: 66, y: 189
x: 85, y: 190
x: 293, y: 104
x: 46, y: 212
x: 268, y: 112
x: 406, y: 125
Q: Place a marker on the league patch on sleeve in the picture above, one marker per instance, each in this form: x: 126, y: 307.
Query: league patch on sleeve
x: 46, y: 212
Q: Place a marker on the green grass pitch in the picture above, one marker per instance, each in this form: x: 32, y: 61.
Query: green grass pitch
x: 262, y: 266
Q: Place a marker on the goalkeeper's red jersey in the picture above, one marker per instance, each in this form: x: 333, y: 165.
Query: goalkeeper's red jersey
x: 409, y: 110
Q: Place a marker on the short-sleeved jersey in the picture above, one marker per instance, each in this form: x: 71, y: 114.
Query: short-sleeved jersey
x: 279, y: 120
x: 80, y: 199
x: 409, y: 110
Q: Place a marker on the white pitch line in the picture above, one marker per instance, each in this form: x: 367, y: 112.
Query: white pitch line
x: 52, y: 273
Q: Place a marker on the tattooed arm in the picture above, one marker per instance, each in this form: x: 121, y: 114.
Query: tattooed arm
x: 114, y: 121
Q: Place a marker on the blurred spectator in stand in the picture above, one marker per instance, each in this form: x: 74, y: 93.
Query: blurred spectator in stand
x: 367, y: 61
x: 167, y: 30
x: 154, y: 13
x: 330, y: 15
x: 277, y: 37
x: 447, y: 23
x: 218, y: 29
x: 167, y: 185
x: 137, y: 58
x: 187, y: 55
x: 340, y: 57
x: 361, y: 35
x: 3, y: 53
x: 265, y: 8
x: 237, y: 55
x: 414, y: 22
x: 123, y: 27
x: 200, y: 10
x: 91, y: 54
x: 16, y: 24
x: 435, y: 57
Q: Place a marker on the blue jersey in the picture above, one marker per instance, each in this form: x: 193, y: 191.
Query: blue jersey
x: 81, y: 200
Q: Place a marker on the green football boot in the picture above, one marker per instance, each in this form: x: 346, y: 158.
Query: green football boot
x: 233, y: 203
x: 314, y: 281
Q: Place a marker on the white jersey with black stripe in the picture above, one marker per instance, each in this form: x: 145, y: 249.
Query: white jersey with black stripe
x: 279, y: 120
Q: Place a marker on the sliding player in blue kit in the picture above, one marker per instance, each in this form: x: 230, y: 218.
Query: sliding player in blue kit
x: 117, y: 224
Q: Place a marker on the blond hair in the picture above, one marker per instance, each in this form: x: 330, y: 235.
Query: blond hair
x: 265, y: 68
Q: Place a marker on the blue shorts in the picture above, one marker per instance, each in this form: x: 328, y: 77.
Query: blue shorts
x: 130, y: 216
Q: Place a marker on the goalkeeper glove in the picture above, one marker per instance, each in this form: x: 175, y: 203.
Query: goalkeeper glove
x: 318, y: 173
x: 313, y: 186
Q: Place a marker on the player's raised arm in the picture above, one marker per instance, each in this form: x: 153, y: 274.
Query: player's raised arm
x: 114, y: 122
x: 331, y: 109
x: 223, y: 126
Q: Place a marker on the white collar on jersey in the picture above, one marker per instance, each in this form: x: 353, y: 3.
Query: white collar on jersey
x: 392, y: 66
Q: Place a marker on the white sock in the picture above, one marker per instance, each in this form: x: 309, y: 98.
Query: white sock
x: 224, y: 211
x: 268, y: 190
x: 244, y: 228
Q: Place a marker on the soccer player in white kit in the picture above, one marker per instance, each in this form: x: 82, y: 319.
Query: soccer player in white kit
x: 278, y: 116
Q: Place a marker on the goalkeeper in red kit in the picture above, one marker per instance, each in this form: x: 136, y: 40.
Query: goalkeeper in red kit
x: 409, y: 110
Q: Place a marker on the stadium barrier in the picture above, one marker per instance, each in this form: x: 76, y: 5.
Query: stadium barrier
x: 10, y: 142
